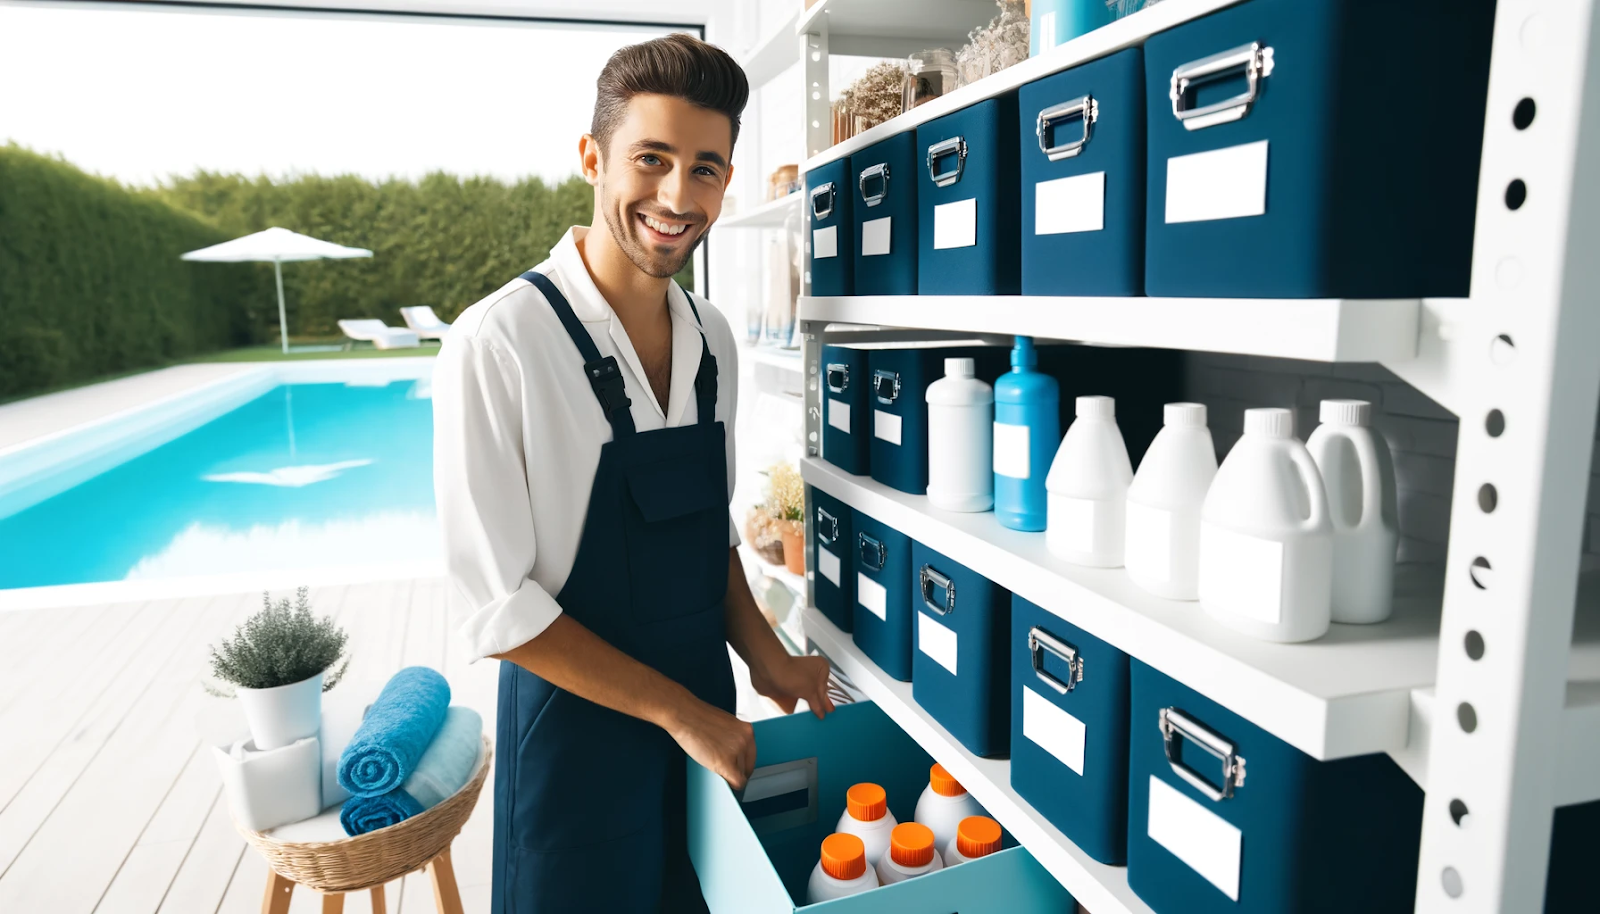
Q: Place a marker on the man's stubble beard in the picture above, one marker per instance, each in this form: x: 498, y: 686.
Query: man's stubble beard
x: 648, y: 263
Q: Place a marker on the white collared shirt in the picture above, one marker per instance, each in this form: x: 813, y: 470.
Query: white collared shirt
x: 517, y: 434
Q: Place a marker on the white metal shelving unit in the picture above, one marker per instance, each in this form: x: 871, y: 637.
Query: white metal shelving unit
x: 1504, y: 732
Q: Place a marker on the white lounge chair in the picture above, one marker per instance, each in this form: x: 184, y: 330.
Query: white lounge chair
x: 426, y: 324
x: 379, y: 334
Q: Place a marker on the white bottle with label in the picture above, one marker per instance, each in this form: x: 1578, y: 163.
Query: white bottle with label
x: 1266, y: 543
x: 842, y: 870
x: 960, y: 439
x: 866, y: 815
x: 1088, y: 486
x: 911, y: 853
x: 1163, y: 522
x: 943, y: 804
x: 1359, y: 474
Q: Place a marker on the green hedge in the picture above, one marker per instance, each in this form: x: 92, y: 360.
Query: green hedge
x: 443, y: 241
x: 91, y: 283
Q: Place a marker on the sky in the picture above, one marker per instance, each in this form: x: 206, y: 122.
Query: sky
x: 142, y: 94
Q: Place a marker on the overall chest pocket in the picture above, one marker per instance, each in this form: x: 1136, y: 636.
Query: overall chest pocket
x: 677, y: 530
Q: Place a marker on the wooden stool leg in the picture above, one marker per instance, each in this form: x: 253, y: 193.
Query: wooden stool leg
x: 333, y: 903
x: 446, y: 896
x: 279, y: 891
x: 379, y: 906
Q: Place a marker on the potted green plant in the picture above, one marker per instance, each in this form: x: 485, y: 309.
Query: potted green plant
x: 278, y: 664
x: 786, y: 501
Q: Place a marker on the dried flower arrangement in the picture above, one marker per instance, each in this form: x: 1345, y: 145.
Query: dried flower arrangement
x: 1000, y: 44
x: 786, y: 493
x: 870, y: 100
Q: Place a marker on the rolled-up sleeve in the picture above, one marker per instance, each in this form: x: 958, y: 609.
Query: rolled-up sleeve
x: 481, y: 490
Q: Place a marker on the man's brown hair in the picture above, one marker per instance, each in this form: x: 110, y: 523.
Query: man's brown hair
x: 677, y: 65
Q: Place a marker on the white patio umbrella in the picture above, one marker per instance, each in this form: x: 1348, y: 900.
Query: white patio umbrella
x: 280, y: 246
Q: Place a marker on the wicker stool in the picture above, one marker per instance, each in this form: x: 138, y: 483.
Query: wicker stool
x: 367, y: 862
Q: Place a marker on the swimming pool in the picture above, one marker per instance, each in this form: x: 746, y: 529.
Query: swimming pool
x: 288, y: 477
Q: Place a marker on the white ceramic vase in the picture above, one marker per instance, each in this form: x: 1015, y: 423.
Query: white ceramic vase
x: 280, y: 716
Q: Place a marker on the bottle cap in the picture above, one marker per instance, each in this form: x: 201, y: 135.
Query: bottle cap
x: 977, y: 836
x: 1023, y: 356
x: 1346, y: 412
x: 1270, y: 422
x: 960, y: 368
x: 843, y: 856
x: 911, y: 844
x: 943, y: 784
x: 1097, y: 408
x: 1184, y: 415
x: 866, y: 802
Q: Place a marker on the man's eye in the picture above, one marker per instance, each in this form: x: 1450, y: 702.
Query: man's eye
x: 707, y: 171
x: 650, y: 160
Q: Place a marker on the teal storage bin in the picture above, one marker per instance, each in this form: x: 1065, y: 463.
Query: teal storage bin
x: 754, y: 854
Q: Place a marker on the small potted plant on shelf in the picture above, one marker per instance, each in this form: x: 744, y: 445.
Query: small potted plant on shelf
x: 278, y: 664
x: 786, y: 501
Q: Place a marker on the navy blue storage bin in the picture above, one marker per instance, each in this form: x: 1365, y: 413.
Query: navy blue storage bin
x: 1574, y: 846
x: 882, y: 626
x: 829, y: 246
x: 1082, y: 148
x: 899, y: 405
x: 967, y: 208
x: 886, y: 216
x: 1069, y: 729
x: 1316, y: 148
x: 1281, y: 833
x: 846, y: 409
x: 833, y: 587
x: 959, y: 672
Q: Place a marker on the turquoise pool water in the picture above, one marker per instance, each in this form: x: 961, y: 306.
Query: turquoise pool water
x: 304, y: 476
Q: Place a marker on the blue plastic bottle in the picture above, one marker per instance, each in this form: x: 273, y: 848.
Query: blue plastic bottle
x: 1027, y: 429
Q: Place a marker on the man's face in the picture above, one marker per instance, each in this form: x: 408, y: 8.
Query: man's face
x: 661, y: 180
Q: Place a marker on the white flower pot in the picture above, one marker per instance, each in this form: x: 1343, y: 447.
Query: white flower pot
x: 278, y: 717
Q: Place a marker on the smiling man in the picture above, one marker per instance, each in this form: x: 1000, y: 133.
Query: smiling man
x: 583, y: 462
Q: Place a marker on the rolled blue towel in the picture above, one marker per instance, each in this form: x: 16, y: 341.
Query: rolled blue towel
x: 451, y: 759
x: 360, y: 815
x: 395, y: 733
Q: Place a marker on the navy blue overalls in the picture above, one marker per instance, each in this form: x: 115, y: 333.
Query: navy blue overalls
x: 589, y: 803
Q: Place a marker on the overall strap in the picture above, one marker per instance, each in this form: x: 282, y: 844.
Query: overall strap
x: 605, y: 376
x: 705, y: 378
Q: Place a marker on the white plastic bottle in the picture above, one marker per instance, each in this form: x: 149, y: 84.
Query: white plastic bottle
x: 911, y: 853
x: 841, y: 871
x: 943, y: 804
x: 1359, y: 473
x: 1163, y: 542
x: 867, y: 816
x: 1088, y: 485
x: 960, y: 439
x: 1266, y: 543
x: 976, y: 836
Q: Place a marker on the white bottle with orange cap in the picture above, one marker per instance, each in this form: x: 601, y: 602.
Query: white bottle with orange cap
x: 944, y: 804
x: 976, y: 836
x: 911, y: 854
x: 867, y: 816
x: 842, y: 871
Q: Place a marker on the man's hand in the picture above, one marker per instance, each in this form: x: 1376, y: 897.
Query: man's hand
x: 716, y: 739
x: 788, y: 678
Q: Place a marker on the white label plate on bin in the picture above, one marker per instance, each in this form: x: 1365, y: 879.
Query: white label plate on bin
x: 1053, y: 729
x: 938, y: 641
x: 1221, y: 184
x: 1208, y: 843
x: 1150, y: 533
x: 870, y: 593
x: 886, y: 426
x: 839, y: 415
x: 1075, y: 204
x: 828, y: 564
x: 825, y: 242
x: 1011, y: 450
x: 1242, y: 573
x: 955, y: 225
x: 875, y: 236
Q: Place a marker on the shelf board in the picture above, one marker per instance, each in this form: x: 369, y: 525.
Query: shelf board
x: 777, y: 52
x: 1097, y: 887
x: 786, y: 359
x: 893, y: 16
x: 771, y: 214
x: 1317, y: 329
x: 894, y: 28
x: 780, y: 573
x: 1347, y: 693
